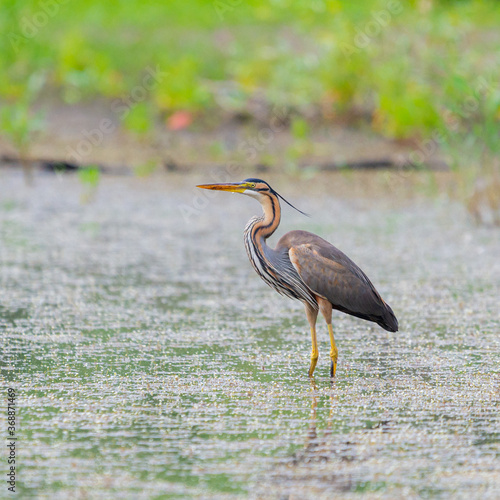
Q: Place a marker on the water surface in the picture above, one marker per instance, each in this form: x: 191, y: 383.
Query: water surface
x: 151, y: 362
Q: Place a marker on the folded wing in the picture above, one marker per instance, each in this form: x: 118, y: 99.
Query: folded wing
x: 329, y: 273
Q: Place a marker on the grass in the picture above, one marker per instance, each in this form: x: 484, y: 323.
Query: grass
x: 408, y: 70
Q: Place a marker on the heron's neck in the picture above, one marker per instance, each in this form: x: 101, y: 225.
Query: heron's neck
x: 263, y: 227
x: 258, y: 229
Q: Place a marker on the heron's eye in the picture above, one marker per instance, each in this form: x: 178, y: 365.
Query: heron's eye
x: 252, y: 184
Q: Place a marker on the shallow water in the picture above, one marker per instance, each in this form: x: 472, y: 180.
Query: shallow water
x: 150, y: 361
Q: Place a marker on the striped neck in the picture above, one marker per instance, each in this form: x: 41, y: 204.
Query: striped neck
x: 261, y: 228
x: 258, y: 229
x: 273, y: 266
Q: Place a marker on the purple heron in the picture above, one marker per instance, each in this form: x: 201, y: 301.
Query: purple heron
x: 306, y: 267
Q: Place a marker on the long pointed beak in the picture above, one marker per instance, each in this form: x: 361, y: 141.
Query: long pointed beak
x: 236, y: 187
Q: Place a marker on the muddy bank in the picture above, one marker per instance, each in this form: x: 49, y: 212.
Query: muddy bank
x: 93, y: 134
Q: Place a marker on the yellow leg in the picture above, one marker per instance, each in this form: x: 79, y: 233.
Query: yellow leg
x: 334, y: 353
x: 314, y: 353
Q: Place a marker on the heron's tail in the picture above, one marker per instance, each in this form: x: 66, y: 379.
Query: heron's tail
x: 389, y: 321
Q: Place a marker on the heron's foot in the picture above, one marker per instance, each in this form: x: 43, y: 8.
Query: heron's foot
x: 314, y: 361
x: 334, y: 354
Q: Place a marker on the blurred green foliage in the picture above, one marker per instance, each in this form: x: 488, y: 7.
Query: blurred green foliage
x: 89, y: 176
x: 403, y: 63
x: 18, y: 121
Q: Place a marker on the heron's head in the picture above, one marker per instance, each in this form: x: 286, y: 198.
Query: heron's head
x: 256, y: 188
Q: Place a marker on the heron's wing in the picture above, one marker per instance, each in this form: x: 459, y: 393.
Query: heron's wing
x: 330, y: 274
